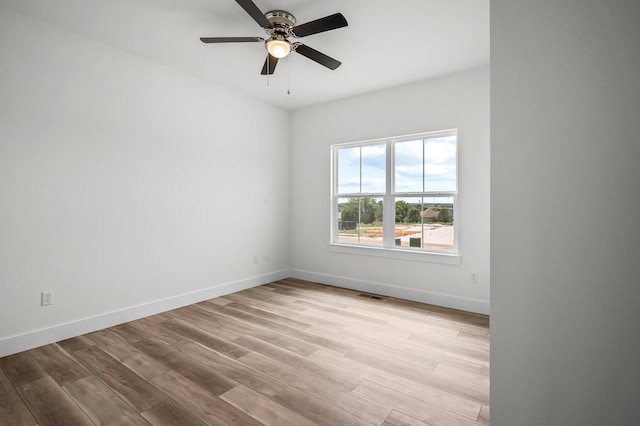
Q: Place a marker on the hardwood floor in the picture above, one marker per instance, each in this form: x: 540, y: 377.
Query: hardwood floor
x: 286, y: 353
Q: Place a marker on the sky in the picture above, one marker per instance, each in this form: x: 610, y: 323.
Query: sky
x: 433, y: 158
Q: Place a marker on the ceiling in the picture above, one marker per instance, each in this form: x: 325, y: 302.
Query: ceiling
x: 386, y: 43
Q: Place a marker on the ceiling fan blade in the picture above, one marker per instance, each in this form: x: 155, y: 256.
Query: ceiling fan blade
x: 253, y: 10
x: 319, y: 57
x: 327, y: 23
x: 270, y: 64
x: 230, y: 39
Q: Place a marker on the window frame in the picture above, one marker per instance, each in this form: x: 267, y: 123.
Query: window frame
x: 388, y: 248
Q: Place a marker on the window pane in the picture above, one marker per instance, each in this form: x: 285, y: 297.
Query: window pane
x: 409, y: 171
x: 360, y: 221
x: 424, y: 174
x: 426, y: 165
x: 373, y: 168
x: 349, y: 170
x: 424, y: 222
x: 440, y: 164
x: 362, y: 169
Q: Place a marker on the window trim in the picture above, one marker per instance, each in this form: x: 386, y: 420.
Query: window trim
x: 433, y: 256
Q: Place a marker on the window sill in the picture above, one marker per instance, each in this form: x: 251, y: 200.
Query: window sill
x: 413, y: 255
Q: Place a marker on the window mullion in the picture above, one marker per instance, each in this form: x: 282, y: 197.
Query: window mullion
x: 335, y: 175
x: 388, y: 204
x: 360, y: 201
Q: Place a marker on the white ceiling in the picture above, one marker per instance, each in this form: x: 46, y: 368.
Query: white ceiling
x: 387, y: 43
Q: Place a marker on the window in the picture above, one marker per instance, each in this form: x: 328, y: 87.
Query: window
x: 397, y: 197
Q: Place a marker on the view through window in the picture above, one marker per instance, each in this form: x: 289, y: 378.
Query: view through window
x: 397, y: 193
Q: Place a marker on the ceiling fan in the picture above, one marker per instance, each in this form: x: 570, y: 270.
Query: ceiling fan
x: 280, y: 27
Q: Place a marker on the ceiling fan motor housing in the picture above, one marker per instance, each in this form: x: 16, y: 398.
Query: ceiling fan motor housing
x: 282, y: 22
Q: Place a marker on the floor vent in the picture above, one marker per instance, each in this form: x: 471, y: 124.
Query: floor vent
x: 371, y: 296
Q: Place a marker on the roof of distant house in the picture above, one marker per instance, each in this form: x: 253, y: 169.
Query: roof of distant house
x: 429, y: 213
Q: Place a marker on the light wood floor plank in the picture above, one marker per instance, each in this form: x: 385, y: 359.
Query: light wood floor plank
x: 432, y: 395
x: 407, y: 404
x: 340, y: 316
x: 397, y: 418
x: 263, y: 409
x: 197, y: 315
x: 475, y: 353
x: 399, y: 366
x: 484, y: 414
x: 51, y: 405
x: 156, y: 330
x: 250, y: 319
x: 376, y: 341
x: 101, y: 404
x: 127, y: 332
x: 170, y: 413
x: 317, y: 386
x: 285, y: 342
x: 486, y: 369
x: 203, y: 375
x: 206, y: 338
x: 22, y: 368
x: 277, y: 307
x: 75, y: 343
x: 463, y: 375
x: 317, y: 410
x: 201, y: 403
x: 138, y: 392
x: 137, y: 361
x: 338, y: 377
x: 243, y: 327
x: 58, y: 364
x: 13, y: 411
x: 267, y: 295
x: 265, y: 314
x: 233, y: 369
x: 288, y: 353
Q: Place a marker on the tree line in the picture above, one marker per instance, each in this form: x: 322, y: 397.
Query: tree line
x: 369, y: 210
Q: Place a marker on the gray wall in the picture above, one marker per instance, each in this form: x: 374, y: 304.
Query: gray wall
x: 565, y: 206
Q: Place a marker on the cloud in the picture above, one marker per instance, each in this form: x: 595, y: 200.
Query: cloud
x: 367, y: 163
x: 440, y: 171
x: 436, y: 151
x: 374, y: 156
x: 373, y: 184
x: 440, y: 151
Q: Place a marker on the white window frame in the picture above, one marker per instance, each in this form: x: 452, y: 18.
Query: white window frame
x: 388, y: 249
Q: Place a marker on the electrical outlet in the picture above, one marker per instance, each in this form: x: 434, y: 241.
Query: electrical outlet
x: 255, y: 260
x: 46, y: 298
x: 474, y: 277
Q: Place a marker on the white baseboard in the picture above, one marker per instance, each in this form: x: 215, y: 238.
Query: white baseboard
x: 33, y: 339
x: 446, y: 300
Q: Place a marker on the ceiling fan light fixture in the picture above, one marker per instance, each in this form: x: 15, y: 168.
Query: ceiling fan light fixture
x: 278, y: 47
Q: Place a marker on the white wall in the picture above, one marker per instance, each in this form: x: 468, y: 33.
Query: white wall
x: 457, y: 101
x: 123, y: 183
x: 565, y: 159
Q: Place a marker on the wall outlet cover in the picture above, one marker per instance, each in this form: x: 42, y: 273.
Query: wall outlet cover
x: 46, y: 298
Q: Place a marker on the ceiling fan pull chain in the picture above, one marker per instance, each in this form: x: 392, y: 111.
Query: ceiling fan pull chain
x: 288, y: 79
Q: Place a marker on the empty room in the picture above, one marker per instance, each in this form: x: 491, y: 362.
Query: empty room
x: 294, y: 212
